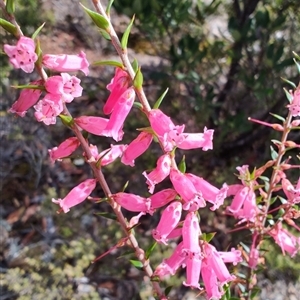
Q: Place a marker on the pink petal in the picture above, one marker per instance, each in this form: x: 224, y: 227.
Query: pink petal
x: 77, y: 195
x: 65, y: 149
x: 66, y: 63
x: 136, y: 148
x: 168, y: 221
x: 94, y: 125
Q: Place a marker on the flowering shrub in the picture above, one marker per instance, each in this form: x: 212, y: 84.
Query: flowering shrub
x: 182, y: 203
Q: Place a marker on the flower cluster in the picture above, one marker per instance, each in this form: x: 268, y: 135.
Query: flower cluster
x: 189, y: 192
x: 59, y: 89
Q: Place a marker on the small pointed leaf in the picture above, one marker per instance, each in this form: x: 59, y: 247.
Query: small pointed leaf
x: 288, y: 95
x: 9, y: 27
x: 160, y: 99
x: 67, y: 120
x: 125, y: 36
x: 109, y: 7
x: 150, y: 250
x: 138, y: 105
x: 136, y: 263
x: 105, y: 34
x: 297, y: 64
x: 37, y: 31
x: 38, y: 51
x: 10, y: 6
x: 278, y: 117
x: 168, y: 290
x: 182, y: 165
x: 135, y: 65
x: 98, y: 19
x: 274, y: 154
x: 29, y: 86
x: 108, y: 63
x: 125, y: 186
x: 138, y: 79
x: 289, y: 82
x: 107, y: 215
x: 208, y: 236
x: 296, y: 55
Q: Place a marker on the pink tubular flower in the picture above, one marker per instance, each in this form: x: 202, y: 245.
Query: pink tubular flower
x: 254, y: 252
x: 136, y: 148
x: 234, y: 256
x: 65, y: 149
x: 287, y: 242
x: 214, y: 260
x: 168, y: 134
x: 48, y: 109
x: 27, y: 98
x: 94, y: 125
x: 212, y: 288
x: 23, y: 54
x: 243, y: 205
x: 294, y: 107
x: 110, y: 155
x: 161, y: 171
x: 119, y: 114
x: 117, y: 87
x: 67, y: 63
x: 170, y: 265
x: 197, y: 140
x: 193, y: 199
x: 77, y: 195
x: 292, y: 193
x: 162, y: 198
x: 168, y: 221
x: 191, y: 248
x: 65, y: 85
x: 190, y: 234
x: 133, y: 202
x: 209, y: 192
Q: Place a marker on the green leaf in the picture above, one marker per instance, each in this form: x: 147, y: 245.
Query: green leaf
x: 98, y: 19
x: 9, y: 27
x: 289, y: 82
x: 138, y: 79
x: 105, y: 34
x: 168, y: 290
x: 208, y: 236
x: 125, y: 36
x: 109, y: 7
x: 10, y: 6
x: 125, y: 186
x: 28, y: 86
x: 108, y: 63
x: 135, y: 65
x: 296, y: 55
x: 278, y: 117
x: 107, y: 215
x: 150, y: 250
x: 67, y: 120
x: 182, y: 165
x: 39, y: 52
x: 254, y: 292
x: 137, y: 263
x: 138, y: 105
x: 160, y: 99
x: 288, y: 95
x: 37, y: 31
x: 274, y: 154
x: 297, y: 64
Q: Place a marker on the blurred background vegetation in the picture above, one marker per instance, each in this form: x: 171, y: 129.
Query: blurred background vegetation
x: 222, y: 61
